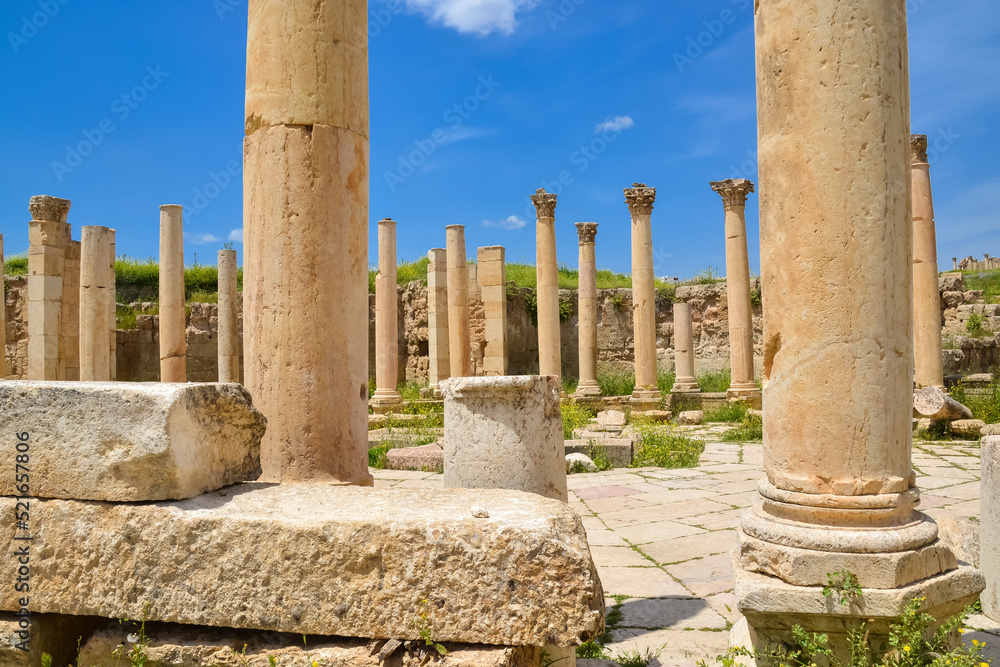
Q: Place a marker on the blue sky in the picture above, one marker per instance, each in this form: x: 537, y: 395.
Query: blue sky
x: 123, y: 106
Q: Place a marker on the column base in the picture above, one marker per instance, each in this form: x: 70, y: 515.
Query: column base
x: 772, y: 607
x: 385, y: 400
x: 645, y: 399
x: 588, y: 388
x: 743, y: 392
x: 685, y: 386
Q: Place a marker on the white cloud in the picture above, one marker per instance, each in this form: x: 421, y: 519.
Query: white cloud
x: 480, y: 17
x: 616, y: 124
x: 201, y: 239
x: 511, y: 222
x: 236, y: 235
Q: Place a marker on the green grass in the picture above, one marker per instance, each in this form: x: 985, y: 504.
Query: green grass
x: 750, y: 430
x: 731, y: 412
x: 406, y: 273
x: 985, y: 406
x: 616, y: 381
x: 574, y: 416
x: 665, y: 380
x: 715, y: 381
x: 664, y: 447
x: 198, y: 279
x: 16, y: 265
x: 987, y: 281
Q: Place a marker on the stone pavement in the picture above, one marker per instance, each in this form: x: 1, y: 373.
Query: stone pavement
x: 661, y: 539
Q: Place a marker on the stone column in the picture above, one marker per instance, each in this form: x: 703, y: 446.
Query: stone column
x: 3, y: 317
x: 734, y: 193
x: 48, y: 236
x: 229, y: 328
x: 437, y: 319
x: 112, y: 308
x: 836, y: 254
x: 640, y: 204
x: 69, y: 320
x: 386, y: 320
x: 587, y: 298
x: 684, y: 381
x: 173, y: 345
x: 94, y: 278
x: 954, y: 263
x: 928, y: 367
x: 306, y: 224
x: 459, y: 344
x: 547, y: 287
x: 492, y: 276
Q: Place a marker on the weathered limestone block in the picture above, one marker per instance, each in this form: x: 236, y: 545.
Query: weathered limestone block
x: 174, y: 645
x: 611, y: 418
x: 962, y: 536
x: 429, y: 458
x: 322, y: 559
x: 970, y: 428
x: 131, y: 442
x: 54, y: 634
x: 691, y: 417
x: 934, y: 403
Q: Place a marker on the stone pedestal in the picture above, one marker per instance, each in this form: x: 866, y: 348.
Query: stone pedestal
x: 684, y: 380
x: 640, y: 204
x: 386, y: 321
x: 734, y: 193
x: 492, y: 276
x: 928, y: 367
x: 95, y: 366
x: 547, y: 288
x: 229, y: 333
x: 173, y: 319
x: 834, y: 180
x: 437, y: 319
x: 587, y: 300
x: 459, y: 343
x: 48, y: 235
x: 306, y: 244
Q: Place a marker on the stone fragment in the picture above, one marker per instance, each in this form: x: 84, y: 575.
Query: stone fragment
x: 655, y: 415
x: 973, y: 296
x: 690, y: 417
x: 970, y: 428
x: 991, y: 429
x: 322, y: 559
x: 952, y: 282
x: 131, y: 441
x: 611, y: 418
x: 618, y: 451
x: 933, y: 402
x: 173, y: 645
x: 576, y: 459
x: 953, y: 299
x: 962, y: 536
x: 428, y: 458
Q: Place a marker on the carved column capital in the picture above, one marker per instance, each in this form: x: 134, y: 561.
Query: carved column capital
x: 640, y: 199
x: 733, y: 191
x: 49, y: 209
x: 545, y: 203
x: 918, y: 149
x: 586, y: 231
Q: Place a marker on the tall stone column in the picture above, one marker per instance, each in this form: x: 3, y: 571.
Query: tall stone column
x: 640, y: 204
x: 229, y: 328
x: 587, y: 298
x: 306, y: 245
x: 684, y: 380
x: 492, y: 276
x: 69, y: 320
x: 734, y: 193
x: 954, y: 263
x: 94, y: 277
x: 3, y: 317
x: 386, y: 320
x: 836, y: 254
x: 112, y: 297
x: 547, y: 287
x: 928, y: 366
x: 459, y: 343
x: 173, y: 345
x: 437, y: 319
x: 48, y: 236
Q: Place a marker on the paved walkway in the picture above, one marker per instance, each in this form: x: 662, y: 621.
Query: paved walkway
x: 661, y: 538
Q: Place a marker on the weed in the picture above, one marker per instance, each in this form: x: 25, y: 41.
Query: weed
x: 665, y: 380
x: 844, y: 584
x: 137, y: 656
x: 664, y: 447
x: 986, y: 281
x: 974, y: 327
x: 16, y: 265
x: 985, y: 405
x: 592, y: 649
x: 574, y: 416
x: 731, y: 412
x: 709, y: 276
x: 616, y: 381
x: 938, y: 431
x: 46, y: 660
x: 635, y: 658
x: 565, y: 310
x: 618, y: 301
x: 377, y: 455
x: 599, y: 455
x: 715, y: 381
x: 751, y: 430
x: 424, y: 627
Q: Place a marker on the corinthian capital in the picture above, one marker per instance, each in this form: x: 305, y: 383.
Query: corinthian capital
x: 586, y: 231
x: 49, y: 209
x: 918, y: 149
x: 733, y: 191
x: 640, y: 199
x: 545, y: 203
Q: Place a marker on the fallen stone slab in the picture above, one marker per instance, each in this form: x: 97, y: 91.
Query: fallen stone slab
x: 124, y: 441
x: 611, y: 418
x: 427, y: 458
x: 691, y: 418
x: 619, y: 451
x: 969, y: 428
x: 173, y: 645
x: 495, y: 567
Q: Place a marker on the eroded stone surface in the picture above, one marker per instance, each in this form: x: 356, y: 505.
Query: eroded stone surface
x: 323, y: 559
x: 131, y: 441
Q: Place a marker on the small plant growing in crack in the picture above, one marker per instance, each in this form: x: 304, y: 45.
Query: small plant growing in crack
x: 844, y: 584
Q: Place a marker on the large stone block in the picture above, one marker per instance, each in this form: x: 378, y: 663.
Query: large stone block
x: 129, y: 442
x: 173, y: 645
x: 495, y: 567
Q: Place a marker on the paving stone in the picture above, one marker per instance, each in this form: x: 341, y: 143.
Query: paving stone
x: 668, y: 512
x: 604, y: 538
x: 654, y: 532
x: 968, y: 491
x: 599, y: 492
x: 675, y: 613
x: 707, y: 576
x: 725, y: 605
x: 639, y: 582
x: 676, y: 648
x: 686, y: 548
x: 674, y: 495
x: 717, y: 520
x: 617, y: 557
x: 613, y: 504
